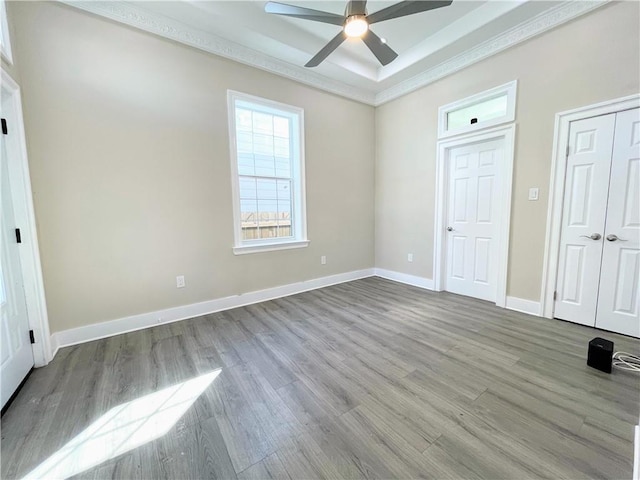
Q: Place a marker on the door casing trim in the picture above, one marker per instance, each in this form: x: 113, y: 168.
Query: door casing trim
x: 556, y: 187
x: 506, y: 133
x: 30, y: 254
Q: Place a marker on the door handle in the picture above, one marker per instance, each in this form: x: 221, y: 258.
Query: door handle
x: 593, y: 236
x: 612, y: 238
x: 449, y: 229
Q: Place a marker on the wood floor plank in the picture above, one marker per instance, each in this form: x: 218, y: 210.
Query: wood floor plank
x: 366, y: 379
x: 269, y: 468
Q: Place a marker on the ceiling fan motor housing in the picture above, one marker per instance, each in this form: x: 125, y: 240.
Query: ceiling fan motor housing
x: 355, y: 8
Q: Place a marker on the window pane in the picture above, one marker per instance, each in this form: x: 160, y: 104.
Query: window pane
x: 245, y: 142
x: 284, y: 208
x: 281, y: 147
x: 246, y: 164
x: 243, y: 120
x: 263, y: 123
x: 281, y: 127
x: 247, y: 188
x: 283, y: 167
x: 267, y: 189
x: 249, y: 219
x: 493, y: 108
x: 263, y: 144
x: 265, y: 166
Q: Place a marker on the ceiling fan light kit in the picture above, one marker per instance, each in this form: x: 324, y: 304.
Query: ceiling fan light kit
x: 356, y: 26
x: 355, y: 23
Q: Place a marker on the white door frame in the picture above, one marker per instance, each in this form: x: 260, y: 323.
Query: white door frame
x: 556, y: 187
x: 506, y: 133
x: 25, y: 216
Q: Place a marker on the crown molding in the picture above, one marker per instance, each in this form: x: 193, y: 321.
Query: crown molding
x: 134, y: 16
x: 524, y: 31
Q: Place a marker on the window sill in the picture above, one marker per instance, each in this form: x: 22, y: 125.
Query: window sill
x: 270, y: 247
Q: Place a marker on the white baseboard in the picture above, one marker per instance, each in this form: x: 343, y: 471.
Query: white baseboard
x: 119, y: 326
x: 414, y: 280
x: 97, y: 331
x: 525, y: 306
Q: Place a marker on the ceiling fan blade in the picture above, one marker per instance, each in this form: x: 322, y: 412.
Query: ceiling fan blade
x: 381, y: 50
x: 327, y: 49
x: 408, y: 7
x: 305, y: 13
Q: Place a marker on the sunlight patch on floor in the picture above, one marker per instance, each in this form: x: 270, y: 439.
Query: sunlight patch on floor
x: 124, y: 428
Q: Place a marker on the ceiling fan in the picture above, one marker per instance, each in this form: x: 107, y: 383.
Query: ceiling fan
x: 355, y: 23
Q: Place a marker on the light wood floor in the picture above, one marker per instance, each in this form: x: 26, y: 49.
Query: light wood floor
x: 365, y: 379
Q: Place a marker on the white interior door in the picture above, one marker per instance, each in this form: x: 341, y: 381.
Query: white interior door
x: 583, y: 218
x: 474, y: 180
x: 619, y: 285
x: 16, y: 355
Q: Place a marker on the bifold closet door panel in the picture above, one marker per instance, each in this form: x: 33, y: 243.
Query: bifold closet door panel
x: 618, y: 300
x: 583, y: 218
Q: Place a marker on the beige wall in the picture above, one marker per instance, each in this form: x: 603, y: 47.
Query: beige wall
x: 588, y: 60
x: 128, y: 148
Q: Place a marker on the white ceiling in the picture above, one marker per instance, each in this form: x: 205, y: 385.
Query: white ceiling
x: 430, y: 45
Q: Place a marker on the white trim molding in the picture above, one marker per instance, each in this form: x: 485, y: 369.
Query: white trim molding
x: 507, y: 133
x: 135, y: 16
x: 556, y: 187
x: 523, y: 305
x: 552, y: 18
x: 143, y: 19
x: 97, y: 331
x: 25, y: 215
x: 413, y: 280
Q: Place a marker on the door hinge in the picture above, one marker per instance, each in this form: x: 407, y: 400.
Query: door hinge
x: 555, y: 295
x: 4, y: 127
x: 567, y: 155
x: 18, y: 236
x: 32, y: 337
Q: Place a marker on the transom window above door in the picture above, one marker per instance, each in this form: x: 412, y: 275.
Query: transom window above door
x: 485, y: 109
x: 267, y: 164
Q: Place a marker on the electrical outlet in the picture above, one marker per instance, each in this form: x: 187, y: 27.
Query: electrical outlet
x: 410, y: 257
x: 534, y: 193
x: 323, y: 260
x: 180, y: 281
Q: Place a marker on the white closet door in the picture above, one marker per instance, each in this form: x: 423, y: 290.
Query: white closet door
x: 618, y: 300
x: 473, y: 211
x: 583, y: 218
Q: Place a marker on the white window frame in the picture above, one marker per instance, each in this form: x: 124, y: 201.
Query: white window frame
x: 299, y: 228
x: 5, y: 41
x: 508, y: 89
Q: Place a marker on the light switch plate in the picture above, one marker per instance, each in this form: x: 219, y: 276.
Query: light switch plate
x: 534, y: 193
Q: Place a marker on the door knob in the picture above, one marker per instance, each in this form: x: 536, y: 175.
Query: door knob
x: 612, y: 238
x: 594, y: 236
x: 449, y: 229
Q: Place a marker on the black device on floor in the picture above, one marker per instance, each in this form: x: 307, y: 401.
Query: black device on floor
x: 600, y: 354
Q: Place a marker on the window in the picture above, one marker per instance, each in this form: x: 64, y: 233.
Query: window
x: 5, y: 43
x: 267, y: 165
x: 486, y: 109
